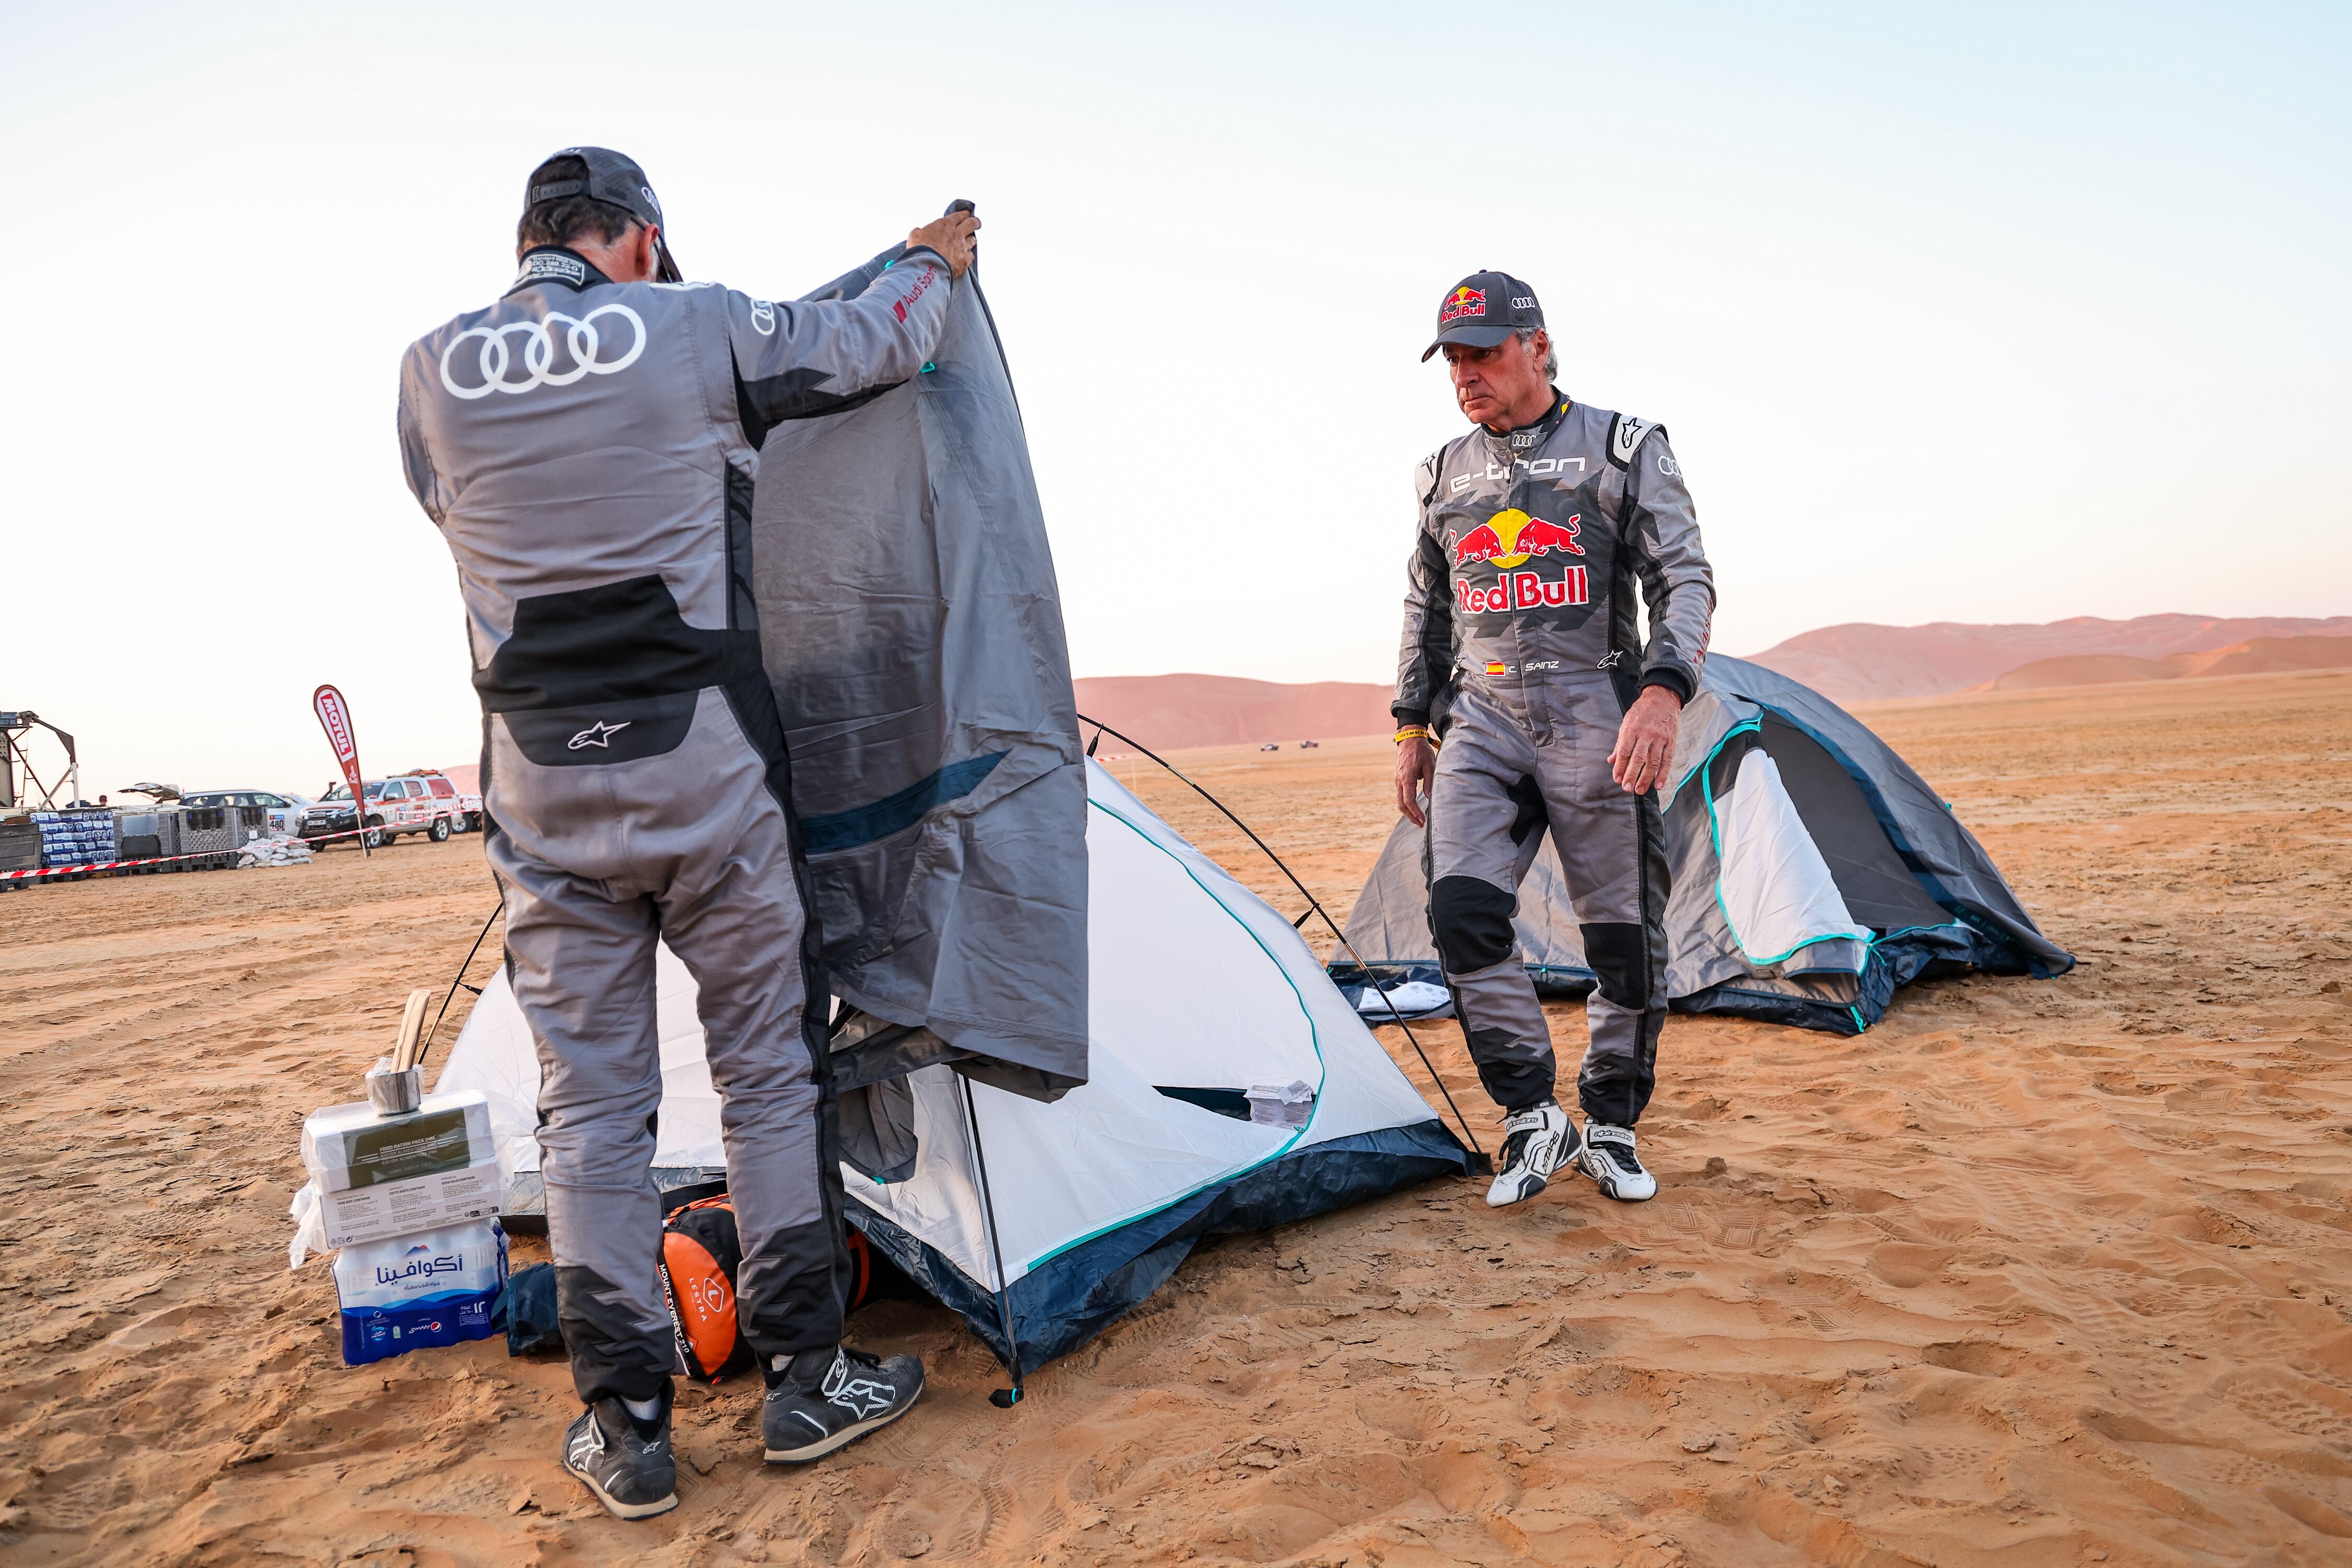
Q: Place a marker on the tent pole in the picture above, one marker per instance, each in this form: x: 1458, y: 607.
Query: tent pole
x: 459, y: 977
x: 1003, y: 1398
x: 1315, y: 905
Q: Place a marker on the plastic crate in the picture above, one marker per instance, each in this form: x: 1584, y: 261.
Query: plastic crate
x: 212, y: 831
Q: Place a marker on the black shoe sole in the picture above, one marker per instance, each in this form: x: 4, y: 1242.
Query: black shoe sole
x: 615, y: 1506
x: 841, y: 1439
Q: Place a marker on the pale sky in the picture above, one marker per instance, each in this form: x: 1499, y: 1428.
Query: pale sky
x: 1976, y: 313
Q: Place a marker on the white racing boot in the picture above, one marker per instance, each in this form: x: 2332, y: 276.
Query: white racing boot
x: 1609, y: 1160
x: 1537, y: 1141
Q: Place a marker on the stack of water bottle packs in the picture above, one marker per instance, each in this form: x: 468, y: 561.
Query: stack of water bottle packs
x: 406, y: 1186
x: 75, y: 837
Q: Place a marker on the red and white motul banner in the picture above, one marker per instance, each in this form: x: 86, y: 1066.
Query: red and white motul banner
x: 335, y: 717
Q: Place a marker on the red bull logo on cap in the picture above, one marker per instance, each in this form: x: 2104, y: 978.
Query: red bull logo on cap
x: 1462, y: 301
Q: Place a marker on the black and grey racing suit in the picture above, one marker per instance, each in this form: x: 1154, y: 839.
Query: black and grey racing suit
x: 1521, y: 643
x: 588, y: 450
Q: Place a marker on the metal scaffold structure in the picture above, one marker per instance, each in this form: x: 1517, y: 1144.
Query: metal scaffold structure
x: 19, y: 780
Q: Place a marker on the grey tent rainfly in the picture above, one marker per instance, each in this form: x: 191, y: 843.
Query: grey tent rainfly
x: 1037, y: 1127
x: 1814, y: 874
x: 911, y: 627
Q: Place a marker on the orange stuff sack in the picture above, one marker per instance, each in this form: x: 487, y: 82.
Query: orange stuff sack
x: 700, y: 1254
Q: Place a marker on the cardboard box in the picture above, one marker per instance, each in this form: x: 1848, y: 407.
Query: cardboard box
x: 352, y: 1146
x: 386, y: 1209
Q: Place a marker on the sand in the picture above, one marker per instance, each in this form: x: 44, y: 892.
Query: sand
x: 2038, y: 1273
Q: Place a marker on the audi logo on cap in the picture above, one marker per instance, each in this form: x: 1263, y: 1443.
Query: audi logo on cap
x: 582, y: 343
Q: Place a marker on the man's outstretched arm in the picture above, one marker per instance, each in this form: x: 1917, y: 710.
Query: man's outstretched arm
x: 798, y: 359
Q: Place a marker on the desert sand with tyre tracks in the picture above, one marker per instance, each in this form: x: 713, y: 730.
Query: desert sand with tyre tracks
x: 2033, y: 1272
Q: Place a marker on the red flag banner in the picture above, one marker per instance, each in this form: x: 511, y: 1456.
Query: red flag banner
x: 335, y: 717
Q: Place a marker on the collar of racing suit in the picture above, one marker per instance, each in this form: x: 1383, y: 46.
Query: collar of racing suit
x: 561, y: 264
x: 1526, y: 438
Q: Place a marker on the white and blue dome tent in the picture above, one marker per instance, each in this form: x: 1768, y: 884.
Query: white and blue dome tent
x: 1036, y: 1125
x: 1815, y: 873
x: 1095, y: 1198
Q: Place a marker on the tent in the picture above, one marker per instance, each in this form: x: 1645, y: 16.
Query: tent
x: 911, y: 627
x: 1091, y: 1201
x: 1814, y: 873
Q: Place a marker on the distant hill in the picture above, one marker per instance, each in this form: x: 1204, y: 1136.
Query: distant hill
x: 1173, y: 711
x: 2255, y: 655
x: 1177, y: 711
x: 1858, y: 661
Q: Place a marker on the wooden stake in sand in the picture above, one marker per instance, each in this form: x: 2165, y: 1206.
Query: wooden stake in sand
x: 411, y: 1028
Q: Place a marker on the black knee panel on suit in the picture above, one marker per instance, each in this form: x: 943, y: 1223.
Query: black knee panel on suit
x: 1620, y: 956
x: 1471, y: 920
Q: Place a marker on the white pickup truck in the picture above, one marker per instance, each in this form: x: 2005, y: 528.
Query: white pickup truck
x: 422, y: 802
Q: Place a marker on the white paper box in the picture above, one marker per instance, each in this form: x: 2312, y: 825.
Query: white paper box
x: 422, y: 1203
x: 352, y: 1146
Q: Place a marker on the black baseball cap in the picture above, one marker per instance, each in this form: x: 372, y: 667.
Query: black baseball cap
x: 616, y: 180
x: 1483, y: 310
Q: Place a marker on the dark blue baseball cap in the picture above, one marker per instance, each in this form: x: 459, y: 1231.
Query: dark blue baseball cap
x: 1483, y: 310
x: 614, y: 180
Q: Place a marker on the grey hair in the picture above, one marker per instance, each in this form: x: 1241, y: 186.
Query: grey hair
x: 1551, y: 350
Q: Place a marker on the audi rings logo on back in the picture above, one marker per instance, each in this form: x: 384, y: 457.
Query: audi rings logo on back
x: 583, y: 348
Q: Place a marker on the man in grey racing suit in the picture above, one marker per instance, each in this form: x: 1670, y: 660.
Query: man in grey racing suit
x: 587, y: 446
x: 1523, y: 656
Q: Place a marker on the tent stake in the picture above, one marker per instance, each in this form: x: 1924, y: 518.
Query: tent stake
x: 1315, y: 905
x: 1003, y: 1398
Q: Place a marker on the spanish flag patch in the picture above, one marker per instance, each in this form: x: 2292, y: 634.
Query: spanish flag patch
x: 1494, y: 668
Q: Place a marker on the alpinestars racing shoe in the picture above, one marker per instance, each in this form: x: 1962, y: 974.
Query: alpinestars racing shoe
x: 633, y: 1475
x: 816, y: 1409
x: 1609, y: 1160
x: 1537, y: 1141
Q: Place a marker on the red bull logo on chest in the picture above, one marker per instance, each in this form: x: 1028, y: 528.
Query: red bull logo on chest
x: 1511, y: 539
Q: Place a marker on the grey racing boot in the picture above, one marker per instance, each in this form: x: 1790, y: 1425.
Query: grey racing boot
x: 633, y: 1474
x: 1609, y: 1160
x: 1537, y: 1141
x: 828, y: 1399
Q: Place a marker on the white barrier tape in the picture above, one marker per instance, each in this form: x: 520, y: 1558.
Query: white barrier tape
x: 163, y: 859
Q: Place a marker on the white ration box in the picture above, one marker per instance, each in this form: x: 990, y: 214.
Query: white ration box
x: 395, y: 1208
x: 356, y: 1146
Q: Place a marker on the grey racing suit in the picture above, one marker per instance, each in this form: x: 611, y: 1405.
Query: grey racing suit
x: 1522, y: 649
x: 588, y: 449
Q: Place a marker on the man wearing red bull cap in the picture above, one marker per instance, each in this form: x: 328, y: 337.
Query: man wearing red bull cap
x: 1523, y: 654
x: 587, y: 446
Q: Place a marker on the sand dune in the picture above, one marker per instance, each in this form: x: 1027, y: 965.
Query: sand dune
x: 1859, y: 662
x: 1165, y: 710
x: 2035, y: 1273
x: 2256, y: 656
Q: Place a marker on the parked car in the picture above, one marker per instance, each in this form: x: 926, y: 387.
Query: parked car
x: 470, y: 807
x: 285, y: 810
x: 423, y: 802
x: 1269, y: 746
